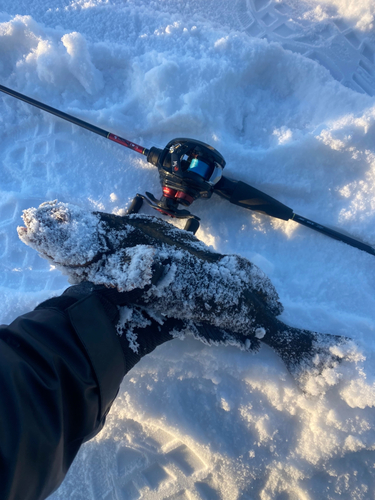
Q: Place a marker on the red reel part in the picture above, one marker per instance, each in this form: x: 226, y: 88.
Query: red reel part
x: 179, y: 196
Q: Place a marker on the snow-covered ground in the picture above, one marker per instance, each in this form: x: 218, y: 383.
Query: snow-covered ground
x: 284, y: 90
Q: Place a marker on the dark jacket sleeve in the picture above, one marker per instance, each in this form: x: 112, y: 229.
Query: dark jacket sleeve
x: 59, y: 374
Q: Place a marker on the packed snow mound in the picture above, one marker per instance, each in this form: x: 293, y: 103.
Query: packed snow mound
x: 362, y: 14
x: 55, y: 58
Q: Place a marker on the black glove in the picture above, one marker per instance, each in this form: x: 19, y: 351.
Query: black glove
x: 148, y: 337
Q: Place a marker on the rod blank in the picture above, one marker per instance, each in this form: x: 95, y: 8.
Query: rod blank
x: 76, y: 121
x: 333, y: 234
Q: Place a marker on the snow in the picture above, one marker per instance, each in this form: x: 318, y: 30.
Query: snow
x: 285, y: 91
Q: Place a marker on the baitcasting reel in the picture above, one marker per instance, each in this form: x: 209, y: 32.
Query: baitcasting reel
x: 188, y: 170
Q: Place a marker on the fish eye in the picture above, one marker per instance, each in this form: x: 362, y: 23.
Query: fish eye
x: 61, y: 217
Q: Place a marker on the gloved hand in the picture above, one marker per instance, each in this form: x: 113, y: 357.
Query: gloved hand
x: 148, y: 337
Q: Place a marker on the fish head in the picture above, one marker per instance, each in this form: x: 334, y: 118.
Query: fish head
x: 62, y: 233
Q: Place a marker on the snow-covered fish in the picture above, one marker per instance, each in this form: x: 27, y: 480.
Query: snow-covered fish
x: 224, y: 298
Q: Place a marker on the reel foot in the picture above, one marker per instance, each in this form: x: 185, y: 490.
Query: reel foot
x: 135, y: 205
x: 192, y: 223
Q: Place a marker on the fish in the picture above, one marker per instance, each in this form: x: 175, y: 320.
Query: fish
x: 221, y: 299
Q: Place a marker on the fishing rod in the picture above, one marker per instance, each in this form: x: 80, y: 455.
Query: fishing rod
x: 189, y: 170
x: 76, y: 121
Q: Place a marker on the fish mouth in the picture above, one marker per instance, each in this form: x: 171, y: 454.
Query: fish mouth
x: 22, y: 231
x: 25, y: 232
x: 26, y: 235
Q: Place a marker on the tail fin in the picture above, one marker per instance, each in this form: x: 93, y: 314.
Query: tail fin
x: 304, y: 351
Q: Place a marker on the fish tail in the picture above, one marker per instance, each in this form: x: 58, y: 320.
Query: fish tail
x: 303, y: 350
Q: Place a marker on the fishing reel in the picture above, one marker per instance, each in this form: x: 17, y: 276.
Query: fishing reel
x: 188, y: 170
